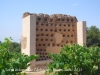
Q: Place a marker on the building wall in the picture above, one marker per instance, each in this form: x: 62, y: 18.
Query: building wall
x: 28, y: 40
x: 81, y: 32
x: 53, y: 32
x: 43, y: 34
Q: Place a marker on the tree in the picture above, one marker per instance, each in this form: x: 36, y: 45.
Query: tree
x: 93, y: 36
x: 75, y: 60
x: 15, y: 47
x: 13, y: 63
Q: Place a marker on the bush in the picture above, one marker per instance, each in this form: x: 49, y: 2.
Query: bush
x: 75, y: 59
x: 13, y: 60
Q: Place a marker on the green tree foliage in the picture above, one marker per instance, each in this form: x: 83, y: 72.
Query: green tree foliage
x: 75, y: 59
x: 15, y: 47
x: 13, y: 60
x: 93, y: 36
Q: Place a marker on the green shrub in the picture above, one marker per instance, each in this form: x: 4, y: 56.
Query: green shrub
x: 75, y: 59
x: 13, y: 60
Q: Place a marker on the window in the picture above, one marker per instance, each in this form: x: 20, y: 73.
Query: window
x: 53, y: 44
x: 59, y: 29
x: 46, y: 29
x: 41, y: 29
x: 67, y: 35
x: 63, y: 35
x: 64, y: 29
x: 62, y: 19
x: 68, y: 29
x: 51, y: 39
x: 58, y: 19
x: 71, y: 20
x: 47, y: 35
x: 51, y: 35
x: 42, y: 34
x: 68, y: 25
x: 41, y: 39
x: 42, y: 24
x: 39, y: 18
x: 71, y: 35
x: 51, y: 30
x: 36, y: 29
x: 36, y: 39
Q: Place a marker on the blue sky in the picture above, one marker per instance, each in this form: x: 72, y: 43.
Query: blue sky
x: 11, y: 12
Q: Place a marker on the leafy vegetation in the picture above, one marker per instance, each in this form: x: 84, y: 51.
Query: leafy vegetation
x: 12, y: 60
x: 75, y: 59
x: 93, y: 36
x: 15, y: 47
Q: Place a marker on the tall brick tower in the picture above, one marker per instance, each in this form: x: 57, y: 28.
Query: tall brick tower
x: 43, y: 34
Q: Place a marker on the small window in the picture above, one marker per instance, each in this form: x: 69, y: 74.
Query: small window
x: 67, y: 19
x: 51, y: 24
x: 37, y: 34
x: 48, y: 44
x: 42, y: 34
x: 45, y: 19
x: 53, y: 44
x: 51, y: 30
x: 36, y: 23
x: 58, y: 19
x: 68, y: 29
x: 41, y: 39
x: 61, y: 45
x: 59, y: 24
x: 71, y: 35
x: 46, y: 29
x: 58, y: 45
x: 45, y: 53
x: 51, y: 39
x: 68, y: 25
x: 44, y: 49
x: 51, y: 35
x: 71, y: 20
x: 73, y: 25
x: 71, y: 41
x: 40, y: 49
x: 36, y: 39
x: 36, y: 29
x: 41, y: 29
x: 55, y: 30
x: 63, y: 35
x: 67, y: 35
x: 66, y: 41
x: 39, y: 45
x: 59, y: 29
x: 62, y: 19
x: 46, y: 39
x: 43, y: 44
x: 47, y: 35
x: 55, y: 24
x: 64, y: 29
x: 64, y: 24
x: 51, y: 20
x: 73, y: 30
x: 39, y: 18
x: 42, y: 24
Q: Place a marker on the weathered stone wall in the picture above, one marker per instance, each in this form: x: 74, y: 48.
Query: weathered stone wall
x: 43, y: 34
x: 53, y: 32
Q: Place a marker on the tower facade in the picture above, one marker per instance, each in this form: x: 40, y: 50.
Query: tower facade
x: 43, y: 34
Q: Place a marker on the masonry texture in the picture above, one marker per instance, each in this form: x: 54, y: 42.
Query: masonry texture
x: 43, y: 34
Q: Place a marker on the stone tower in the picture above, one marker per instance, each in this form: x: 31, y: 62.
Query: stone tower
x: 43, y: 34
